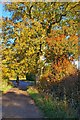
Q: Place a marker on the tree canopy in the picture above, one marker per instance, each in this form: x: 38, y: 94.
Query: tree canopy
x: 38, y: 28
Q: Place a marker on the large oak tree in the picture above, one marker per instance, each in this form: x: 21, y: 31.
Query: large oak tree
x: 25, y: 31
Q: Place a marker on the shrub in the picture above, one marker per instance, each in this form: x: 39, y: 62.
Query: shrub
x: 30, y: 77
x: 52, y: 108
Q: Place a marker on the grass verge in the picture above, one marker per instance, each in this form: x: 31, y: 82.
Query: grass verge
x: 4, y: 87
x: 51, y: 108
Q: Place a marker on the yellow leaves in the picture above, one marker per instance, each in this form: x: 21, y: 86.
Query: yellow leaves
x: 65, y: 27
x: 31, y: 51
x: 73, y: 6
x: 71, y: 22
x: 74, y: 39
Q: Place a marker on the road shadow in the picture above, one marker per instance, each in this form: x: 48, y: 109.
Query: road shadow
x: 23, y: 85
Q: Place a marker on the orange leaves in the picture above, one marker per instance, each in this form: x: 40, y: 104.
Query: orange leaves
x: 55, y: 40
x: 74, y: 39
x: 60, y: 38
x: 49, y: 41
x: 62, y: 67
x: 60, y: 44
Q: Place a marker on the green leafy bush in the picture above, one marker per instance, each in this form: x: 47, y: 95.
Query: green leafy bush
x: 30, y: 77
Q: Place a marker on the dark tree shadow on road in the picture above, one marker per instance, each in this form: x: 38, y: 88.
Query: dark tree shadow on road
x: 23, y: 84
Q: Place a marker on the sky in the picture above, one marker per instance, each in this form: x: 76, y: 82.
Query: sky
x: 2, y: 12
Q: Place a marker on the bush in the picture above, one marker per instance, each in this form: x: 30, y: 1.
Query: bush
x: 5, y: 85
x: 30, y: 77
x: 61, y: 87
x: 52, y: 108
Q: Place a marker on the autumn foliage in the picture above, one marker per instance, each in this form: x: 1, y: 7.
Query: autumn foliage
x: 60, y: 76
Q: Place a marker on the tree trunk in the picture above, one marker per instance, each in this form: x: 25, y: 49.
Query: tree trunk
x: 17, y: 80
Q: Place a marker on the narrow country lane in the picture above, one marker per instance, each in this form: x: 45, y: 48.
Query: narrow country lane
x: 17, y: 103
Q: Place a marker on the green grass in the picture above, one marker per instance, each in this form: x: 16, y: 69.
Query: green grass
x: 4, y: 87
x: 51, y: 108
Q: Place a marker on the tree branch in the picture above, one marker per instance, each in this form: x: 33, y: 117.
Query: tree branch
x: 30, y: 11
x: 75, y: 6
x: 55, y: 21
